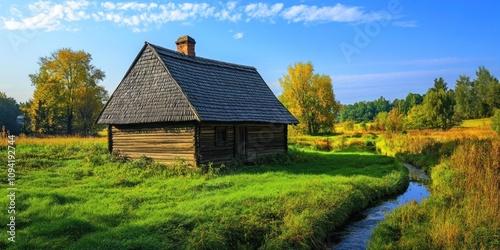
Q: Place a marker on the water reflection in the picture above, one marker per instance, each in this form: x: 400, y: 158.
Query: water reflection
x: 357, y: 233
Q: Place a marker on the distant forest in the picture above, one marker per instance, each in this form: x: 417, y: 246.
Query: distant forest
x: 440, y: 107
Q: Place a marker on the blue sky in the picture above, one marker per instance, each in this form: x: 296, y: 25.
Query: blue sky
x: 370, y: 48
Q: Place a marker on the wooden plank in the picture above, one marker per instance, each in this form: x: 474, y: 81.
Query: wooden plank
x: 153, y: 144
x: 158, y: 155
x: 145, y: 150
x: 159, y: 149
x: 146, y: 127
x: 153, y: 136
x: 152, y: 133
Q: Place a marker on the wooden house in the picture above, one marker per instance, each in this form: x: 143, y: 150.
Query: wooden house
x: 174, y: 104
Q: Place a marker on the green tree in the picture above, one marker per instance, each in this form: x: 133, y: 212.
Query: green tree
x: 411, y: 101
x: 381, y: 105
x: 394, y: 121
x: 364, y: 111
x: 467, y: 102
x: 9, y: 110
x: 310, y: 98
x: 488, y: 92
x: 67, y: 96
x: 417, y: 118
x: 439, y: 104
x: 26, y: 124
x: 379, y: 121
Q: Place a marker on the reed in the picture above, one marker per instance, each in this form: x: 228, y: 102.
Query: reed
x: 462, y: 211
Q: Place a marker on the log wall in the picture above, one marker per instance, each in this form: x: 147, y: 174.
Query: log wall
x: 211, y: 151
x: 162, y: 142
x: 197, y: 143
x: 260, y: 140
x: 266, y: 139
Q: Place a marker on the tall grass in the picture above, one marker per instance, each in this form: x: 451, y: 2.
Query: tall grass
x: 74, y: 195
x: 463, y: 210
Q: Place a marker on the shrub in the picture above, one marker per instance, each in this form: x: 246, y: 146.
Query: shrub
x: 349, y: 126
x: 495, y: 121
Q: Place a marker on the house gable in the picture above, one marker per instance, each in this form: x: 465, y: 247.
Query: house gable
x: 147, y: 94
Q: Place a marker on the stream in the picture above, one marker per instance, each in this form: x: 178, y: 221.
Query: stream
x: 357, y: 233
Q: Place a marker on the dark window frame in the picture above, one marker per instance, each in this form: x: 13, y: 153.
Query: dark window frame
x: 220, y: 136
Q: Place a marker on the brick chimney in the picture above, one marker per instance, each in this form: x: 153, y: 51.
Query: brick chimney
x: 185, y: 45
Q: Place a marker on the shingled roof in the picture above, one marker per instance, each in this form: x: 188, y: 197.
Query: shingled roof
x: 164, y: 85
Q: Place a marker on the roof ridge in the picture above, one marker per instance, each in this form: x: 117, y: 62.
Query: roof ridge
x: 199, y: 59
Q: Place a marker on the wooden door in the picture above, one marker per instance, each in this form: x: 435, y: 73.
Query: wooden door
x: 241, y: 141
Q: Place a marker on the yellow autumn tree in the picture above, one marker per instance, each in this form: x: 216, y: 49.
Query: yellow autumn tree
x: 310, y: 98
x: 67, y: 97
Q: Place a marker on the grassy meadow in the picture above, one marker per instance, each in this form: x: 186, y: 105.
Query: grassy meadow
x: 73, y: 195
x: 463, y: 211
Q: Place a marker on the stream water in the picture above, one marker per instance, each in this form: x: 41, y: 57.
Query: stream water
x: 357, y: 233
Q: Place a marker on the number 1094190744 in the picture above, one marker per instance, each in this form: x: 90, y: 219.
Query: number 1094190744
x: 11, y: 159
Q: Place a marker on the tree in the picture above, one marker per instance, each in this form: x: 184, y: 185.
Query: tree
x: 488, y: 92
x: 467, y: 102
x: 309, y: 97
x: 9, y: 110
x: 478, y: 98
x: 381, y: 105
x: 364, y: 111
x: 67, y: 96
x: 439, y: 104
x: 417, y: 118
x: 26, y: 122
x: 379, y: 121
x: 411, y: 101
x: 394, y: 121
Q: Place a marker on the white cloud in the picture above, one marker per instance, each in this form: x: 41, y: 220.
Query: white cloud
x: 47, y: 16
x: 337, y: 13
x: 108, y: 5
x: 261, y: 11
x: 229, y: 13
x: 140, y: 16
x: 238, y: 35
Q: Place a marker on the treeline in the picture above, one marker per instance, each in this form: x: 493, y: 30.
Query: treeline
x: 67, y: 98
x: 9, y: 111
x: 439, y: 108
x: 366, y: 111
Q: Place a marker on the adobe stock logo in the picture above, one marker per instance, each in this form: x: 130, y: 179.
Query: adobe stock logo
x: 21, y: 38
x: 364, y: 35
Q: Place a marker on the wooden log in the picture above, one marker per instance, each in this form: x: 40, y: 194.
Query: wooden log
x: 153, y: 145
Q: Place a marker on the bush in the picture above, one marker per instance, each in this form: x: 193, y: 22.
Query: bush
x: 349, y: 126
x: 495, y: 121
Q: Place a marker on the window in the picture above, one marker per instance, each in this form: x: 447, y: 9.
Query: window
x: 220, y: 136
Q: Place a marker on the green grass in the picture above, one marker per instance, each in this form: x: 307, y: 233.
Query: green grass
x: 476, y: 123
x: 73, y: 195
